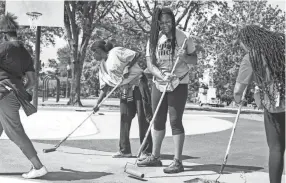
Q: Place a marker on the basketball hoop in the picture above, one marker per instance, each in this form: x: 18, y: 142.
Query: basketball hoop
x: 33, y: 19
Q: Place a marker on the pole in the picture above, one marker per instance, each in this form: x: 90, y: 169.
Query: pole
x: 67, y: 86
x: 37, y: 66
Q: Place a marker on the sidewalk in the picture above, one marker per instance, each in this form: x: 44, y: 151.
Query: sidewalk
x: 113, y: 103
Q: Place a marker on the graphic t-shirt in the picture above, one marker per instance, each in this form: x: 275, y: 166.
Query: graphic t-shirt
x: 246, y: 76
x: 165, y: 62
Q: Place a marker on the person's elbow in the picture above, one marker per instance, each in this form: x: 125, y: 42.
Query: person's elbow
x: 31, y: 79
x: 237, y: 96
x: 149, y: 64
x: 192, y: 59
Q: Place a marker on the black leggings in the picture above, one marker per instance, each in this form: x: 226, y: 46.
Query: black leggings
x: 175, y: 101
x: 275, y: 133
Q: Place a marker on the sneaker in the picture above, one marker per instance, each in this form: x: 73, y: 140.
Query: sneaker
x: 143, y: 156
x: 33, y: 173
x: 150, y: 161
x: 175, y: 167
x: 119, y: 154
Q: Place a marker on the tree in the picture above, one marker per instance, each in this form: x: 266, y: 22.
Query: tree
x: 90, y: 78
x: 52, y: 63
x: 133, y: 24
x: 64, y: 57
x: 81, y: 17
x: 219, y: 31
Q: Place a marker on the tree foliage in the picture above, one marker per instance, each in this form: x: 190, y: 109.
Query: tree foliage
x: 81, y: 18
x: 217, y: 34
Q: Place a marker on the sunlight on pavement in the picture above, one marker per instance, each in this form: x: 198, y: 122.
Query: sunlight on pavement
x: 58, y: 124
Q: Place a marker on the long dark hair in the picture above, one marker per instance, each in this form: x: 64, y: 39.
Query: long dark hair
x: 269, y: 46
x: 155, y: 28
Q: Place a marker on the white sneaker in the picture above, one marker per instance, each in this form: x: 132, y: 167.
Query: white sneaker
x: 33, y: 173
x: 119, y: 154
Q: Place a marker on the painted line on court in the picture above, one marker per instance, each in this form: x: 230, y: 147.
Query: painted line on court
x: 55, y: 125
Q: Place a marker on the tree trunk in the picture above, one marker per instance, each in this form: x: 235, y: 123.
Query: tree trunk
x: 75, y: 84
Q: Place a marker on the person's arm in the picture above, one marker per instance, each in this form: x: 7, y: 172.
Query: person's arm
x: 31, y: 79
x: 238, y: 91
x: 131, y: 63
x: 191, y: 58
x: 245, y: 76
x: 153, y: 69
x: 29, y: 71
x: 188, y: 53
x: 102, y: 94
x: 150, y: 66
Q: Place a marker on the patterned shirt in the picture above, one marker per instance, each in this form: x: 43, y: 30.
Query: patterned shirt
x: 246, y: 76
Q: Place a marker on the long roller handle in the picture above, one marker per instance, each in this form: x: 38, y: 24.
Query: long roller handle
x: 232, y: 134
x: 88, y: 115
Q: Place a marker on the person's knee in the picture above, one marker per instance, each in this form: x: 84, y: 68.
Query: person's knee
x: 176, y: 124
x: 177, y: 127
x: 159, y: 125
x: 126, y: 118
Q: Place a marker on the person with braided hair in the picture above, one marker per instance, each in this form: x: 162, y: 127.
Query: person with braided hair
x: 164, y: 47
x: 117, y: 63
x: 264, y: 64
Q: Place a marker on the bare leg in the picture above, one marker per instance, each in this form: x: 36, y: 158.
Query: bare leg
x: 179, y: 144
x: 158, y: 137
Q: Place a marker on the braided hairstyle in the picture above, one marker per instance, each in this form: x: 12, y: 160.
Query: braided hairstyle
x: 155, y: 28
x: 270, y: 47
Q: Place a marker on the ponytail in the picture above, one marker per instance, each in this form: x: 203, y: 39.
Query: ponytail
x: 108, y: 46
x: 105, y: 46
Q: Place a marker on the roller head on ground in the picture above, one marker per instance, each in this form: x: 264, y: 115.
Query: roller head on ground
x: 49, y: 150
x: 134, y: 173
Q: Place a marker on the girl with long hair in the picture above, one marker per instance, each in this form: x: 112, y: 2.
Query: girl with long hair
x: 163, y: 48
x: 264, y: 64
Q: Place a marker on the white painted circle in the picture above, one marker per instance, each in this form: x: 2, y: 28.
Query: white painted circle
x: 58, y: 124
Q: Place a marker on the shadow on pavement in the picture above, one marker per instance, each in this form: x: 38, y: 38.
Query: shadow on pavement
x: 171, y: 157
x: 83, y: 153
x: 70, y: 175
x: 213, y: 169
x: 227, y: 170
x: 12, y: 174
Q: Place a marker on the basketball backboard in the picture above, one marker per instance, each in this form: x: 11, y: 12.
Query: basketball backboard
x: 52, y: 12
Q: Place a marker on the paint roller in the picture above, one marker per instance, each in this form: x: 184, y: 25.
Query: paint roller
x: 62, y: 141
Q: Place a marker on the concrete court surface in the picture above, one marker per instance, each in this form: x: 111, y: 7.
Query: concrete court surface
x: 83, y: 165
